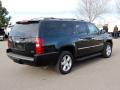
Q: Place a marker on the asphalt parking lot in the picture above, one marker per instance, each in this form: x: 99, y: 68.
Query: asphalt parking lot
x: 94, y: 74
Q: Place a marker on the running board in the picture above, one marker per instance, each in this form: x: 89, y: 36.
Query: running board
x: 88, y: 57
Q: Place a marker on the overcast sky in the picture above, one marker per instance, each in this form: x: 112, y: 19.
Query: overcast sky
x: 21, y: 9
x: 25, y: 9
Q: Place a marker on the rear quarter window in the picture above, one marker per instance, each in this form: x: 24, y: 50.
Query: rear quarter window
x: 57, y: 28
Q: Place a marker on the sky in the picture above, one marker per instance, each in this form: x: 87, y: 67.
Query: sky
x: 27, y: 9
x: 21, y: 9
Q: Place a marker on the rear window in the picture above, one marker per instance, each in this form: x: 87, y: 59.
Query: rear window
x: 57, y: 28
x: 25, y: 30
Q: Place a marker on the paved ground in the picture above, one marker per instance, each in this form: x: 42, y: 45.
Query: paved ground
x: 94, y: 74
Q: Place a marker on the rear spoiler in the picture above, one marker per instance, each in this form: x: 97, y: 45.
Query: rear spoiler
x: 27, y: 22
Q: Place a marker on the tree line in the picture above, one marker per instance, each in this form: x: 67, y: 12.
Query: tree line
x: 4, y: 18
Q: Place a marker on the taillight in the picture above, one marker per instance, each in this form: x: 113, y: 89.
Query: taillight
x: 39, y: 46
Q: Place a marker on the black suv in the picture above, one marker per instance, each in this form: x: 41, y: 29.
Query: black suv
x: 60, y: 42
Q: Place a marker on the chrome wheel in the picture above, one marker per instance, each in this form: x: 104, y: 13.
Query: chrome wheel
x: 66, y: 63
x: 108, y: 50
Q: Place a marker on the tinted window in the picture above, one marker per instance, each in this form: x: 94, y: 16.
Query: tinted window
x: 81, y: 28
x: 93, y: 29
x: 57, y: 28
x: 25, y: 30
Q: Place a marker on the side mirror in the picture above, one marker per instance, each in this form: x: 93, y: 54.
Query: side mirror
x: 102, y: 31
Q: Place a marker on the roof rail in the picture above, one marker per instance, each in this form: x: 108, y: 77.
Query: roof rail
x: 52, y: 18
x: 60, y: 18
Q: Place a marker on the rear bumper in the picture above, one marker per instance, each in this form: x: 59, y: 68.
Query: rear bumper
x: 37, y: 60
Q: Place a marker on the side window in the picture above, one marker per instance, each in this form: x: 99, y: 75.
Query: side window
x: 57, y: 28
x: 81, y: 28
x: 93, y: 30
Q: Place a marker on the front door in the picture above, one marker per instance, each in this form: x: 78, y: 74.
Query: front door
x: 89, y: 39
x: 96, y: 39
x: 84, y: 39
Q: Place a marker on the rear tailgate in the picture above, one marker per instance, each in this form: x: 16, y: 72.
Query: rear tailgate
x: 22, y: 38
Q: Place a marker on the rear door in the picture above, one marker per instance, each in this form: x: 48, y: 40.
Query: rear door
x: 56, y: 34
x: 22, y: 38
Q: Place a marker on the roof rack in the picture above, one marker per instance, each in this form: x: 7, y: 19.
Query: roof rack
x: 59, y: 19
x: 48, y: 18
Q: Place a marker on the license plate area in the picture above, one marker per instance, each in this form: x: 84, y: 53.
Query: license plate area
x: 19, y: 46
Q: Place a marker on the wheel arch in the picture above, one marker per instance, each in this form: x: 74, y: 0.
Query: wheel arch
x: 110, y: 41
x: 69, y: 48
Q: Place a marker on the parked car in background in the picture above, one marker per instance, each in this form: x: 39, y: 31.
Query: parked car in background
x: 2, y: 34
x: 59, y: 42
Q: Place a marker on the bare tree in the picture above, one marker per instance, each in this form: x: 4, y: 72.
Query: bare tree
x: 118, y: 5
x: 92, y: 9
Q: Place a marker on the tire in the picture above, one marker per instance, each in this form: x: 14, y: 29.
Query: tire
x: 107, y: 51
x: 65, y: 62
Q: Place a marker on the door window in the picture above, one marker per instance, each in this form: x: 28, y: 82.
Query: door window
x: 81, y: 29
x: 93, y: 30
